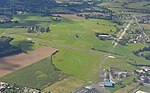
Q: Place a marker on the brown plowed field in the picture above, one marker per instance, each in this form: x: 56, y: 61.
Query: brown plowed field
x: 15, y: 62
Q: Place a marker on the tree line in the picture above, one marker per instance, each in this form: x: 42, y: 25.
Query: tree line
x: 140, y: 52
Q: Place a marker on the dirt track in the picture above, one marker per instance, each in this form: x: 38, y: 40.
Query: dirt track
x: 13, y: 63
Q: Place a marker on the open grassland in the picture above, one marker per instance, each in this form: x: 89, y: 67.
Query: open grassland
x: 77, y: 64
x: 36, y: 75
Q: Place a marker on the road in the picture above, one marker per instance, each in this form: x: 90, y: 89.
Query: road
x: 123, y: 33
x: 101, y: 76
x: 141, y: 29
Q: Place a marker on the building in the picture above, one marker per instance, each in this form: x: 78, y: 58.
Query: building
x: 146, y: 69
x: 104, y: 36
x: 107, y: 83
x: 123, y: 74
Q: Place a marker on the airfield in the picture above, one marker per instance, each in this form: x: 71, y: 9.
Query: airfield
x: 74, y: 58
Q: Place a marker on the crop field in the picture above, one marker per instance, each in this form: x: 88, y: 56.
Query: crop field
x: 75, y: 57
x: 12, y: 63
x: 36, y: 75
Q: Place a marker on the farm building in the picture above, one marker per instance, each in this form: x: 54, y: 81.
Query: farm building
x: 123, y: 74
x: 107, y: 83
x: 104, y: 36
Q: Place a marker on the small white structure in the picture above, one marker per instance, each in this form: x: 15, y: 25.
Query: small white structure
x: 111, y: 57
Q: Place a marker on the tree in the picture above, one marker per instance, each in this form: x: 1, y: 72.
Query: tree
x: 123, y: 42
x: 47, y: 29
x: 42, y: 29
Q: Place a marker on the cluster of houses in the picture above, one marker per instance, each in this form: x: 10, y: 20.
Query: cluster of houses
x: 134, y: 31
x: 7, y: 88
x: 37, y: 29
x: 144, y: 19
x: 138, y: 39
x: 113, y: 76
x: 122, y: 17
x: 141, y: 19
x: 143, y: 75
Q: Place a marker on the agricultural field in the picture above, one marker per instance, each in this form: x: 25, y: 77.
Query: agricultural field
x: 12, y: 63
x: 145, y: 5
x: 36, y: 75
x: 65, y: 86
x: 121, y: 5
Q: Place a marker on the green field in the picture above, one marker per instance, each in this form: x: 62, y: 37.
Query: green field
x: 73, y: 57
x: 146, y: 28
x: 36, y: 75
x: 140, y: 5
x: 120, y: 5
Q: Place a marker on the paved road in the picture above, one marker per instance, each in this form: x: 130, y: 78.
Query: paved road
x: 141, y: 29
x: 123, y: 33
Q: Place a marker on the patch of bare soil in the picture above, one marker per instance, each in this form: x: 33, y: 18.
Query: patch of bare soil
x: 16, y: 62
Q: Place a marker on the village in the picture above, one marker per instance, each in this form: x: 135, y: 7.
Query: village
x: 7, y: 88
x: 114, y: 76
